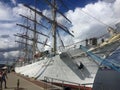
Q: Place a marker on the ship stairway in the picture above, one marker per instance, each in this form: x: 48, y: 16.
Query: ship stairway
x: 76, y: 53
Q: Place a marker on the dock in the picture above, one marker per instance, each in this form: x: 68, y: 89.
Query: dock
x: 20, y: 82
x: 16, y: 82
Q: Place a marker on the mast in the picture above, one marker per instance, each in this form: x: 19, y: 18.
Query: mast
x: 54, y: 26
x: 26, y: 46
x: 34, y: 33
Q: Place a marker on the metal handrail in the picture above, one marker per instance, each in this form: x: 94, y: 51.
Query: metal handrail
x: 47, y: 79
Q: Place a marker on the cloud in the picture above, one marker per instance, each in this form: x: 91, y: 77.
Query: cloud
x: 14, y: 2
x: 1, y: 56
x: 86, y: 22
x: 4, y: 36
x: 8, y: 48
x: 7, y: 42
x: 5, y: 12
x: 12, y: 54
x: 109, y: 1
x: 8, y: 18
x: 93, y: 18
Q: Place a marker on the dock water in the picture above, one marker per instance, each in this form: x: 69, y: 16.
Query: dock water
x: 19, y: 82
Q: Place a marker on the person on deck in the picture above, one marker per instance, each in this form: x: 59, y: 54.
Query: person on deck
x: 81, y: 66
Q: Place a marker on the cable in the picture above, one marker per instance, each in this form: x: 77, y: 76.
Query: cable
x: 93, y: 17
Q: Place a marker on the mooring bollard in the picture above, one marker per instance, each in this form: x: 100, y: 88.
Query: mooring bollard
x: 18, y: 84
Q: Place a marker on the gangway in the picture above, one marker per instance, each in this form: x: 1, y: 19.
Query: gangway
x: 102, y: 61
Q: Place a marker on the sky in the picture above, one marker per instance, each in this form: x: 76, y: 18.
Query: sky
x: 90, y: 18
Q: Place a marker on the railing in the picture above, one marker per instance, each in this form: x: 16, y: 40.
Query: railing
x: 48, y: 85
x: 66, y: 85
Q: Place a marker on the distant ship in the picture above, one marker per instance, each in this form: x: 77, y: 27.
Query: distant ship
x: 71, y: 66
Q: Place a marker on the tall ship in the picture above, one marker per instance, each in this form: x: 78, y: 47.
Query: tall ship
x: 68, y: 65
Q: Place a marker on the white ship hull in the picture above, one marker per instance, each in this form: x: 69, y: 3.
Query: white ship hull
x: 65, y: 66
x: 62, y: 67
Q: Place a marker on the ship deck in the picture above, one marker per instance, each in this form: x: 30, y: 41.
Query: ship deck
x: 19, y: 82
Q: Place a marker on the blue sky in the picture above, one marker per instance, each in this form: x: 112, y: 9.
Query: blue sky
x: 79, y: 12
x: 68, y: 3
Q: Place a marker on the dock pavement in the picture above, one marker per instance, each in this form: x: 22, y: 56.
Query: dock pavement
x: 19, y: 82
x: 16, y: 82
